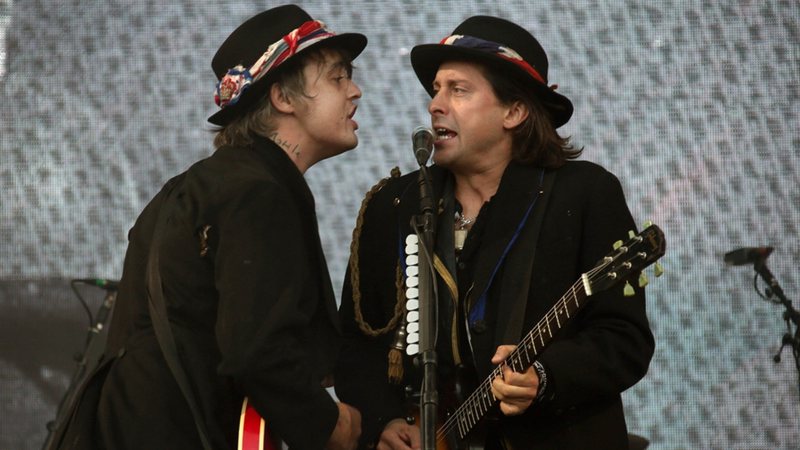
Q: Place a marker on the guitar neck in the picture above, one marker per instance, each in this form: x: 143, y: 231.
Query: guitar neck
x: 535, y: 341
x: 481, y: 400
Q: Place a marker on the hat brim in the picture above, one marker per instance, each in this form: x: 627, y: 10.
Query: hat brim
x: 353, y: 43
x: 426, y: 59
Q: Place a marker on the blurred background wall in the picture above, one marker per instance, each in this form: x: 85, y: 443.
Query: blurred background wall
x: 693, y: 104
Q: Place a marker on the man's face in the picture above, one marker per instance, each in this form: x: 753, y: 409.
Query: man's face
x: 326, y: 113
x: 468, y: 120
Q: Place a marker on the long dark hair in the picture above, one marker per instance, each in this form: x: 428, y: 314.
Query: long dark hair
x: 535, y: 141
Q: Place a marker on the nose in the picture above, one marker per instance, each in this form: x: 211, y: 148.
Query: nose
x: 437, y: 104
x: 355, y: 91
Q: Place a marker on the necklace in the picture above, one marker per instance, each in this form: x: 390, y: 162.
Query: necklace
x: 462, y: 224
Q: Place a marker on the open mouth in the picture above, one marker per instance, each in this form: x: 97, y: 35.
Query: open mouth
x: 350, y: 118
x: 443, y: 134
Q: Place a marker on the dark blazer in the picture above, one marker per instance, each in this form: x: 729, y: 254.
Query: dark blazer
x: 250, y: 303
x: 601, y: 352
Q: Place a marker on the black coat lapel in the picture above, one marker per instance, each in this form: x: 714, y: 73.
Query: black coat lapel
x: 518, y: 189
x: 516, y: 280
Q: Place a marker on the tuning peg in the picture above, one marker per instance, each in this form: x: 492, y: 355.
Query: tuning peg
x: 643, y: 281
x: 628, y: 290
x: 617, y: 245
x: 631, y: 234
x: 648, y: 223
x: 658, y: 269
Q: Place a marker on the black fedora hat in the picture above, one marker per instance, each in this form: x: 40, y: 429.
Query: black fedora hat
x: 250, y: 58
x: 498, y: 44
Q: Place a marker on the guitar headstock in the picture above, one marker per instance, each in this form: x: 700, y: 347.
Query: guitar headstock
x: 628, y: 259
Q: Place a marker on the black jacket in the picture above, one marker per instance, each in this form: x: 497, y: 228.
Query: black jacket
x: 250, y: 302
x: 601, y: 352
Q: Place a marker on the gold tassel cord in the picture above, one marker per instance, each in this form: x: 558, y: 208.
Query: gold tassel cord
x: 395, y: 366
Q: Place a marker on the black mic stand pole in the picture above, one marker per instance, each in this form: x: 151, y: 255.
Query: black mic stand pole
x: 424, y: 224
x: 790, y: 315
x: 73, y: 392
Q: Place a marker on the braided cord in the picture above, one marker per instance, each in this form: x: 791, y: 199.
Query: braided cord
x: 355, y: 275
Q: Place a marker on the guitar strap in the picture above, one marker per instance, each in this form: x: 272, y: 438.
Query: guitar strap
x: 161, y: 326
x: 521, y: 278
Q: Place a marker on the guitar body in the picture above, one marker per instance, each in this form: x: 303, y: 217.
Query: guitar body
x: 253, y: 433
x: 458, y: 390
x: 452, y: 394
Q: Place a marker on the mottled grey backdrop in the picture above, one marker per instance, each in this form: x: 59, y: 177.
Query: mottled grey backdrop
x: 693, y: 104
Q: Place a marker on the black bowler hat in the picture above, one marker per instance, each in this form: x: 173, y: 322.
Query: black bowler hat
x: 500, y: 45
x: 250, y: 58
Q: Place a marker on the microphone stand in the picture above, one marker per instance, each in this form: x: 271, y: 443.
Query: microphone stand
x: 790, y: 315
x: 424, y: 225
x: 72, y: 395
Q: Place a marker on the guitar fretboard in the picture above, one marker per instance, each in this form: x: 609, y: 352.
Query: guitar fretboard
x: 478, y: 404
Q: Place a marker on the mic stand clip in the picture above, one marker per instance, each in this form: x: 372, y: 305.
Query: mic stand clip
x: 790, y: 315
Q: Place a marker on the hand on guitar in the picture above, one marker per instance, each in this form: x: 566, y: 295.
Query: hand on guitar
x: 399, y: 435
x: 515, y: 391
x: 348, y: 429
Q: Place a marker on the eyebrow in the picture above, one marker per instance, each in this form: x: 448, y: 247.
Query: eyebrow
x: 451, y: 81
x: 341, y: 63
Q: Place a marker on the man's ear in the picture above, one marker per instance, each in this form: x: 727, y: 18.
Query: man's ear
x: 516, y: 113
x: 280, y: 101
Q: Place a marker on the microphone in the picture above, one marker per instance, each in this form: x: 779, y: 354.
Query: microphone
x: 110, y: 285
x: 747, y: 255
x: 422, y: 138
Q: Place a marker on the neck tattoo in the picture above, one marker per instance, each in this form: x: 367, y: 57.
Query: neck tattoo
x: 293, y: 149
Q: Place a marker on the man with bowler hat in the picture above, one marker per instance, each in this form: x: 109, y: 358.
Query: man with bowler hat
x: 518, y: 221
x: 231, y: 248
